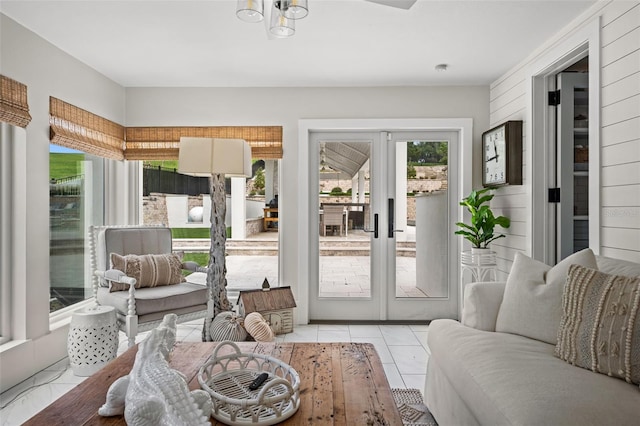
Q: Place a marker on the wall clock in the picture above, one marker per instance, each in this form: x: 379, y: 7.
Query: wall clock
x: 502, y: 155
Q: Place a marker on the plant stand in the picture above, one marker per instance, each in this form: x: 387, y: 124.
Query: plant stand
x: 481, y: 264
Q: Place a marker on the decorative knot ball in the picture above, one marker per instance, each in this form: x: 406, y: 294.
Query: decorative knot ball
x: 258, y: 327
x: 227, y: 326
x: 196, y: 214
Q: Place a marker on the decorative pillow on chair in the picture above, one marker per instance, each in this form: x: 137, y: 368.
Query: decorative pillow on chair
x: 149, y: 270
x: 600, y: 326
x: 532, y: 302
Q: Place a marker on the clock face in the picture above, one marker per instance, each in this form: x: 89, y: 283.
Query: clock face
x: 494, y: 157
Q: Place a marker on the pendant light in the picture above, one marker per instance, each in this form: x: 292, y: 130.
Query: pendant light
x: 250, y: 10
x: 281, y: 26
x: 284, y: 13
x: 293, y: 9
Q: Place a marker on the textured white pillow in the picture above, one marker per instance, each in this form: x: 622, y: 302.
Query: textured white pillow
x: 532, y: 302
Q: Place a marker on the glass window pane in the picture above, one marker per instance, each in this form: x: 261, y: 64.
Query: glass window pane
x: 76, y: 194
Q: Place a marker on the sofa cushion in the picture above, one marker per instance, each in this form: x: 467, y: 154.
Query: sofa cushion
x: 481, y: 304
x: 600, y: 326
x: 532, y: 302
x: 156, y: 299
x: 618, y: 266
x: 509, y: 379
x: 149, y: 270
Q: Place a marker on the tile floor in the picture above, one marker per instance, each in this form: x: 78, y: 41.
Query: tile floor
x: 402, y: 349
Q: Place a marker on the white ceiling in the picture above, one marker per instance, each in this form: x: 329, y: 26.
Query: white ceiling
x: 147, y: 43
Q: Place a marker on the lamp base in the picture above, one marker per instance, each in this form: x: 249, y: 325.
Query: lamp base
x: 216, y: 275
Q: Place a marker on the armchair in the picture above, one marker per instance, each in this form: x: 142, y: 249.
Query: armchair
x: 142, y: 309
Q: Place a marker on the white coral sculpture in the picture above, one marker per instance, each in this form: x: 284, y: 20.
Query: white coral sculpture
x: 154, y: 394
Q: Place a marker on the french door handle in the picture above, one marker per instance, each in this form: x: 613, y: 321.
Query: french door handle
x: 392, y: 210
x: 375, y: 226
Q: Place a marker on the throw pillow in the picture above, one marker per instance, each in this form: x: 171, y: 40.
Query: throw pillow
x: 532, y: 302
x: 600, y: 327
x: 149, y: 270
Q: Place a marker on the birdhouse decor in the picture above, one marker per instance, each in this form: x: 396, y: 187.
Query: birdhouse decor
x: 275, y: 305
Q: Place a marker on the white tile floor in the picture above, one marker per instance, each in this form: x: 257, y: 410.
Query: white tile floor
x: 402, y: 349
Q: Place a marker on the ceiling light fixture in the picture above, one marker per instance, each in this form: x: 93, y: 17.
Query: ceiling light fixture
x: 250, y: 10
x: 441, y: 67
x: 284, y: 13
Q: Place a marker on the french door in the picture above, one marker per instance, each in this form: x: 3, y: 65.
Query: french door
x: 383, y: 204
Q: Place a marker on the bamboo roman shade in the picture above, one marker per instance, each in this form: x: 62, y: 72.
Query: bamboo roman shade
x: 14, y: 108
x: 76, y: 128
x: 158, y: 143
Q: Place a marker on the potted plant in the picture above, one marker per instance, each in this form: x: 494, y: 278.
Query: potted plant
x: 481, y: 230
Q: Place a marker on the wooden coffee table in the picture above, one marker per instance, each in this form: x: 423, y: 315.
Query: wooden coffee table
x: 340, y: 383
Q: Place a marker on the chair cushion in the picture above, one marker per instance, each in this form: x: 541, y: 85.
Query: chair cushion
x: 600, y: 326
x: 149, y: 270
x: 532, y: 302
x: 156, y: 299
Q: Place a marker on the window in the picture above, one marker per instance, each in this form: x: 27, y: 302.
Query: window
x: 76, y: 200
x: 6, y: 142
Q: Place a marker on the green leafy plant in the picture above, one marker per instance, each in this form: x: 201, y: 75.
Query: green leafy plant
x: 483, y: 222
x: 336, y: 191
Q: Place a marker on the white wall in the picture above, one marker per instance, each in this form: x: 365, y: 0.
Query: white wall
x: 620, y: 134
x: 284, y: 107
x: 47, y: 71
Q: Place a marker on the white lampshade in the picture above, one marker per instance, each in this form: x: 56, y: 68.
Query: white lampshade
x: 250, y: 10
x: 207, y: 156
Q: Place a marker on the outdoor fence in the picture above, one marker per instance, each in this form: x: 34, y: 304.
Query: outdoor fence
x: 169, y: 181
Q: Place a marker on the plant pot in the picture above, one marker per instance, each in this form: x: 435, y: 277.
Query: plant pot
x: 480, y: 250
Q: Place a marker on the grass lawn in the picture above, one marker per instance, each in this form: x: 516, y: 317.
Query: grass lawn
x: 165, y: 164
x: 64, y: 165
x: 201, y: 259
x: 194, y: 233
x: 191, y: 233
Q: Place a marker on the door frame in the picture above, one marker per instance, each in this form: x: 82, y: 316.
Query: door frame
x: 464, y: 126
x: 541, y: 74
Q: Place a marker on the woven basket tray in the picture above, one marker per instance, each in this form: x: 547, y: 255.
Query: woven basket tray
x: 227, y: 379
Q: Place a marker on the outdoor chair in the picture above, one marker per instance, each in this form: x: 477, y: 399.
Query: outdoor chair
x: 161, y: 287
x: 332, y: 216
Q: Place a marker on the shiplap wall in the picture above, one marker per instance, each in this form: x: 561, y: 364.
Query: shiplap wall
x: 620, y: 137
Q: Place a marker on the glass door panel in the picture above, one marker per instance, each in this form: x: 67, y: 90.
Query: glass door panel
x: 343, y: 212
x: 421, y: 241
x: 421, y: 259
x: 346, y: 285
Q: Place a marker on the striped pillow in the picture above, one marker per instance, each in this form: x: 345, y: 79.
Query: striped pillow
x: 600, y: 325
x: 149, y: 270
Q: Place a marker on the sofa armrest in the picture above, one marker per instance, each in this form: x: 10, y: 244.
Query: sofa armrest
x: 482, y: 302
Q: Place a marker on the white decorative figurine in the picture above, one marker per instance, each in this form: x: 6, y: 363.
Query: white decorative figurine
x: 154, y: 394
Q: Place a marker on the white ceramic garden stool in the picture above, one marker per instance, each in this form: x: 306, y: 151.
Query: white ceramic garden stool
x: 93, y: 339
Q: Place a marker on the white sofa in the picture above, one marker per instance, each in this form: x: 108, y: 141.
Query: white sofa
x: 477, y: 376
